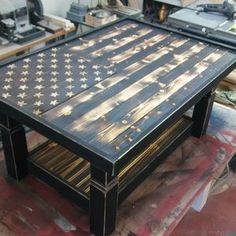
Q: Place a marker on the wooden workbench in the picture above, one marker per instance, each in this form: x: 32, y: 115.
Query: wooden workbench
x: 14, y: 49
x: 155, y: 207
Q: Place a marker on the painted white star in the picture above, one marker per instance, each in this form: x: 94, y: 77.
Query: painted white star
x: 37, y: 112
x: 8, y: 80
x: 54, y: 66
x: 67, y: 55
x: 83, y: 73
x: 68, y: 73
x: 70, y: 86
x: 53, y: 55
x: 27, y: 60
x: 84, y: 86
x: 54, y: 73
x: 10, y: 73
x: 69, y: 80
x: 40, y: 66
x: 54, y: 102
x: 12, y: 66
x: 54, y: 60
x: 38, y: 95
x: 54, y: 49
x: 95, y: 67
x: 21, y: 95
x: 82, y: 66
x: 98, y: 79
x: 69, y: 94
x: 24, y: 72
x: 39, y: 72
x: 68, y: 60
x: 25, y: 66
x: 39, y: 80
x: 24, y: 79
x: 41, y: 55
x: 81, y: 60
x: 110, y: 72
x: 38, y: 103
x: 54, y: 80
x: 7, y: 87
x: 83, y: 79
x: 6, y: 95
x: 23, y: 87
x: 54, y: 94
x: 40, y: 60
x: 21, y: 103
x: 39, y: 87
x: 97, y: 72
x: 54, y: 86
x: 68, y: 67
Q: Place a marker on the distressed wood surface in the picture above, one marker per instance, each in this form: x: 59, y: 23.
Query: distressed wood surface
x: 110, y: 87
x: 154, y: 208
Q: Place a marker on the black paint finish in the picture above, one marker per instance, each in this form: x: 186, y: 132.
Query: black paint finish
x: 201, y: 114
x: 14, y: 146
x: 103, y: 202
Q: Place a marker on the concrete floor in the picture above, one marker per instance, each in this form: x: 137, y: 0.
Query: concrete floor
x: 217, y: 218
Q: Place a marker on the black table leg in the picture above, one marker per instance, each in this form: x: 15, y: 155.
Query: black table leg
x: 14, y: 146
x: 103, y: 202
x: 202, y: 113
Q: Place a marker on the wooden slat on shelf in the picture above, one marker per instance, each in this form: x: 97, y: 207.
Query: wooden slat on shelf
x: 75, y: 171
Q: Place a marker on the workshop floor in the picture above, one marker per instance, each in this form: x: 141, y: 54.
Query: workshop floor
x: 217, y: 218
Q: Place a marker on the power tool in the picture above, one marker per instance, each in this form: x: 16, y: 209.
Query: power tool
x: 15, y: 25
x: 226, y: 8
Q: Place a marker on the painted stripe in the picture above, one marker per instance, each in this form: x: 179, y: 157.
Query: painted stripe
x: 141, y: 111
x: 124, y: 95
x: 108, y: 83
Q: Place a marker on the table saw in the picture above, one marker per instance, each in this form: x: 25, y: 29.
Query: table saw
x: 200, y: 19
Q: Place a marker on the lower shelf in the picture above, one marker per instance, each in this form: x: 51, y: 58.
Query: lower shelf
x: 70, y: 174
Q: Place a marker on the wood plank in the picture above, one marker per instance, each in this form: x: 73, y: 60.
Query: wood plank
x: 108, y: 93
x: 142, y: 110
x: 127, y: 137
x: 156, y: 82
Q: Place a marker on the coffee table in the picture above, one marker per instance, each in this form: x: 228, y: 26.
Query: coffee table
x: 112, y: 103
